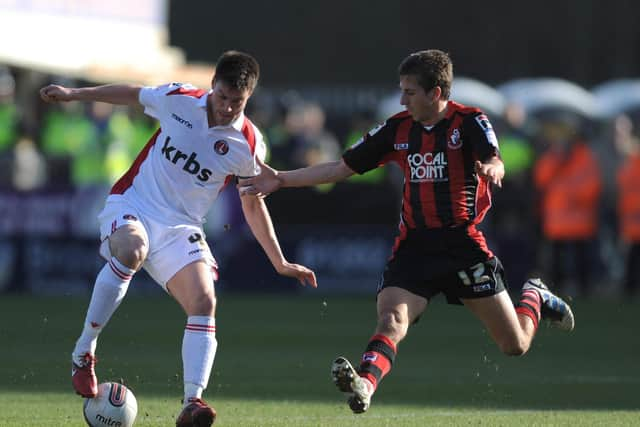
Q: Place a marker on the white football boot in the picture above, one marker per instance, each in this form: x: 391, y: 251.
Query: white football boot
x: 357, y: 389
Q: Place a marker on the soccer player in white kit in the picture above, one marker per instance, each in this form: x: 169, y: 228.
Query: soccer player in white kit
x: 153, y: 215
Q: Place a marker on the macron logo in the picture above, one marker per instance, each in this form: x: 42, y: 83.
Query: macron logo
x: 182, y: 121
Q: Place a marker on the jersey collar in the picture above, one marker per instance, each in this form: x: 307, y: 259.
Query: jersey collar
x: 452, y: 107
x: 202, y: 101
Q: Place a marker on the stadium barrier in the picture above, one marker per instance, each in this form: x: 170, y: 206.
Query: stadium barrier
x: 49, y: 246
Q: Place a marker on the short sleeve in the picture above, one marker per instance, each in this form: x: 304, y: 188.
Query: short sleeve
x: 371, y: 150
x: 261, y: 147
x: 252, y: 168
x: 154, y: 98
x: 479, y: 131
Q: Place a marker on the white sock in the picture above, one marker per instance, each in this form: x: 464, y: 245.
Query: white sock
x: 369, y: 385
x: 198, y: 352
x: 108, y: 292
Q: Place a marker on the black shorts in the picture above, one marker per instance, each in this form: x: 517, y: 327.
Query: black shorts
x: 454, y: 262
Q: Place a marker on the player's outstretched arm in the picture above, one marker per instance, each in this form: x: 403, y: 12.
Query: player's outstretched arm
x: 271, y: 180
x: 124, y: 94
x: 257, y: 216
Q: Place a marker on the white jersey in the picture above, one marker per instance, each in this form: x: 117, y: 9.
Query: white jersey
x: 180, y: 172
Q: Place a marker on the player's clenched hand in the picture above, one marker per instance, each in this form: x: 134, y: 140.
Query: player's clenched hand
x: 55, y: 93
x: 492, y: 171
x: 304, y: 275
x: 262, y: 185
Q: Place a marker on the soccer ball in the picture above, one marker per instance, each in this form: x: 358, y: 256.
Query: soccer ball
x: 114, y: 406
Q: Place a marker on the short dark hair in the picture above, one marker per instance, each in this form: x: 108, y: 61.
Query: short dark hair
x: 237, y: 69
x: 432, y: 68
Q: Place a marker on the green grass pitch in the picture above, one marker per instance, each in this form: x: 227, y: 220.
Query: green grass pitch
x: 274, y: 354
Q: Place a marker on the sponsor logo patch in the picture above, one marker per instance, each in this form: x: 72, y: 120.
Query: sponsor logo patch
x: 221, y: 147
x: 182, y: 121
x: 190, y: 162
x: 455, y: 142
x: 401, y: 146
x: 428, y: 167
x: 485, y: 124
x: 371, y: 132
x: 369, y: 357
x: 482, y: 287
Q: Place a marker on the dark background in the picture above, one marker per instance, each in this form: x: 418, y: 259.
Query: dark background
x: 363, y: 41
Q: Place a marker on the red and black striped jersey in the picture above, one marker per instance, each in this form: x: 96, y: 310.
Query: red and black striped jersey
x: 441, y: 188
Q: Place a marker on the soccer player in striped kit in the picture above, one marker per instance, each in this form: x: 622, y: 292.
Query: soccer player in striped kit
x: 153, y: 215
x: 450, y: 158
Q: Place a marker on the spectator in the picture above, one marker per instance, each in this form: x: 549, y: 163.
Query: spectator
x: 360, y: 124
x: 512, y: 219
x: 8, y: 111
x: 567, y: 178
x: 70, y: 141
x: 312, y: 142
x: 29, y: 167
x: 8, y: 126
x: 629, y: 202
x: 125, y: 135
x: 309, y: 141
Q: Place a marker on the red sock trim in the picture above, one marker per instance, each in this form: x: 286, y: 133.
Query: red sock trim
x: 378, y: 360
x: 375, y: 365
x: 372, y: 379
x: 530, y: 314
x: 531, y: 296
x: 207, y: 329
x: 121, y: 274
x: 386, y: 340
x: 530, y: 300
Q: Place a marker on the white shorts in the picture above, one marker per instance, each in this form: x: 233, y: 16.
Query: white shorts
x: 171, y: 247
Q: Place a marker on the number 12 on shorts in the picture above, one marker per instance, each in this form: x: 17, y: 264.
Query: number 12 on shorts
x: 477, y: 273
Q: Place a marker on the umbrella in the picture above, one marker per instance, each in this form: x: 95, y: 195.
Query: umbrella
x: 617, y: 96
x: 543, y: 94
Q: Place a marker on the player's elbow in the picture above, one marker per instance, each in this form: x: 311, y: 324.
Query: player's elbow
x: 251, y: 204
x: 343, y: 171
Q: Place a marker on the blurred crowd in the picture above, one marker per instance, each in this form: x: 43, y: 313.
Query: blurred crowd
x: 569, y: 209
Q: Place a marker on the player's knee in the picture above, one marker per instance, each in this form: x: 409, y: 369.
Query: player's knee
x: 393, y: 323
x: 203, y: 305
x: 514, y: 347
x: 131, y: 251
